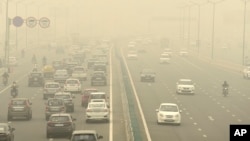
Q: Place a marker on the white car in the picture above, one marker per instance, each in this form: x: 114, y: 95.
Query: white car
x: 132, y: 55
x: 80, y: 73
x: 168, y: 113
x: 73, y: 85
x: 183, y: 52
x: 168, y: 51
x: 185, y: 86
x: 164, y: 58
x: 13, y: 61
x: 246, y: 73
x: 97, y: 111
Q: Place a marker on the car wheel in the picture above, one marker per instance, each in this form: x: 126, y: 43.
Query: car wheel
x: 87, y: 121
x: 9, y: 118
x: 48, y: 135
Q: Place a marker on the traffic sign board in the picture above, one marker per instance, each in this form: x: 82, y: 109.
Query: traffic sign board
x: 17, y: 21
x: 44, y: 22
x: 31, y: 22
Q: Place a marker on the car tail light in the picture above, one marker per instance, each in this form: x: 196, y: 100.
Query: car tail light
x: 50, y: 124
x: 67, y: 123
x: 89, y: 110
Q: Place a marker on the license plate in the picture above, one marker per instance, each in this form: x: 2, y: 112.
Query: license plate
x: 58, y: 125
x: 54, y: 109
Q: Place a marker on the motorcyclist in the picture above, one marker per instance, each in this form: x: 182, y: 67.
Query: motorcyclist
x: 14, y: 88
x: 5, y: 77
x: 35, y: 69
x: 225, y: 85
x: 34, y: 59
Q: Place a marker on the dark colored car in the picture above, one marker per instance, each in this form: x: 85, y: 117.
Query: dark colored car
x: 60, y: 124
x: 99, y: 78
x: 68, y: 100
x: 35, y: 79
x: 85, y: 96
x: 20, y: 107
x: 54, y: 106
x: 147, y: 75
x: 6, y: 132
x: 91, y: 62
x: 100, y: 67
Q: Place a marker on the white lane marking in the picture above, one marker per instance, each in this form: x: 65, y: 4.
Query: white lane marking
x: 233, y: 115
x: 110, y: 98
x: 199, y: 129
x: 137, y: 101
x: 205, y: 136
x: 210, y: 118
x: 191, y: 118
x: 195, y: 123
x: 239, y: 120
x: 228, y: 110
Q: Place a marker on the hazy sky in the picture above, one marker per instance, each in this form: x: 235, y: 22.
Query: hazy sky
x: 133, y: 17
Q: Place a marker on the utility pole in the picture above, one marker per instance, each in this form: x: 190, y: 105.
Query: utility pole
x: 7, y: 35
x: 212, y: 44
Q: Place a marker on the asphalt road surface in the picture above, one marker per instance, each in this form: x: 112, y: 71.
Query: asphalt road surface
x: 206, y: 115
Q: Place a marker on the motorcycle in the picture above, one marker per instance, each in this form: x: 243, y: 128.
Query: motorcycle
x: 14, y: 91
x: 225, y: 91
x: 5, y: 81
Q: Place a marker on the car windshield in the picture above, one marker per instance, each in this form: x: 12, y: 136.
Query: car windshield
x: 96, y: 105
x: 72, y: 82
x: 59, y: 118
x: 61, y: 72
x: 52, y: 86
x: 55, y: 102
x: 169, y: 108
x: 18, y: 102
x: 97, y: 96
x: 84, y: 137
x: 62, y: 96
x: 79, y: 69
x: 186, y: 82
x: 36, y: 74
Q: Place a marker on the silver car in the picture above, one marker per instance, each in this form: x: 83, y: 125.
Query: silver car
x: 61, y: 76
x: 97, y: 111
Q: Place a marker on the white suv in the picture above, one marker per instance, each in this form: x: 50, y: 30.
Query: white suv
x: 185, y: 86
x: 73, y: 85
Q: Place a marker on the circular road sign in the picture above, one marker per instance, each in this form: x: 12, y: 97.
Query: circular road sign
x: 44, y: 22
x: 17, y: 21
x: 31, y: 22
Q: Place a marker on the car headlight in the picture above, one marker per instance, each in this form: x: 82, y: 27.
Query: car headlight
x: 161, y: 115
x: 177, y: 115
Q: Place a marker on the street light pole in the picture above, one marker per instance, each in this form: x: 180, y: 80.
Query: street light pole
x: 244, y: 33
x: 7, y: 35
x: 212, y: 45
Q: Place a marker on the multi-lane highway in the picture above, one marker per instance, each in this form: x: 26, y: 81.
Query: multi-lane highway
x: 35, y: 129
x: 205, y: 115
